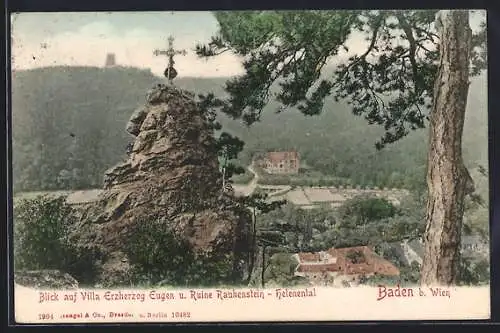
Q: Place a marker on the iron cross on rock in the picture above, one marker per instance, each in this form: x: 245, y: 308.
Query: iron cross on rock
x: 170, y: 72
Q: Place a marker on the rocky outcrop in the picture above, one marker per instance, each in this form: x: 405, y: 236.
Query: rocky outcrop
x: 172, y: 176
x: 45, y: 279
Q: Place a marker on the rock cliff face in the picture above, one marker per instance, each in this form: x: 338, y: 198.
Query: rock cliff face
x: 45, y: 279
x: 171, y: 175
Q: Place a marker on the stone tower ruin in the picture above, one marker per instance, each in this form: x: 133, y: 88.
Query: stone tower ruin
x: 110, y: 60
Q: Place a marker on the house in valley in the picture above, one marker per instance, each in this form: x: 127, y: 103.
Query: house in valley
x: 281, y: 162
x: 338, y: 267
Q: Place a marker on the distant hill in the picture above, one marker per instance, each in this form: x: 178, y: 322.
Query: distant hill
x: 68, y: 128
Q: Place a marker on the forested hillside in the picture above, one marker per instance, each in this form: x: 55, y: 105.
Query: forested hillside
x: 68, y: 128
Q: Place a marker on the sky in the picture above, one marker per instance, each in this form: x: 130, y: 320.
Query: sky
x: 51, y: 39
x: 84, y: 39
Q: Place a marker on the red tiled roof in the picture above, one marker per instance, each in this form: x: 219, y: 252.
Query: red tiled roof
x: 386, y: 268
x: 359, y: 269
x: 372, y: 263
x: 278, y: 156
x: 309, y: 257
x: 319, y: 268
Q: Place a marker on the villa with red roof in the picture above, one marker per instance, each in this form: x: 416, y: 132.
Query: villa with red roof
x: 338, y: 266
x: 281, y: 162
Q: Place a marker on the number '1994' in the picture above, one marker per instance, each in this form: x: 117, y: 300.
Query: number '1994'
x: 45, y: 316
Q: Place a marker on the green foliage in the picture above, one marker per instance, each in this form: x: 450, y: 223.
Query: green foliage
x: 377, y: 280
x: 336, y: 148
x: 264, y: 237
x: 363, y: 209
x: 476, y: 215
x: 284, y: 52
x: 356, y: 257
x: 298, y: 225
x: 43, y: 239
x: 370, y: 221
x: 40, y: 226
x: 410, y: 274
x: 259, y: 201
x: 228, y: 148
x: 280, y: 271
x: 323, y: 228
x: 473, y: 273
x: 390, y: 83
x: 388, y: 252
x: 67, y: 132
x: 208, y: 104
x: 160, y: 257
x: 243, y: 178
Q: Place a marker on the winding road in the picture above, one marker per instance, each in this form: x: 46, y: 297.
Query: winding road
x: 246, y: 190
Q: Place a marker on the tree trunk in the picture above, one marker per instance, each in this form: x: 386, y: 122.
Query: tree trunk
x: 255, y: 277
x: 253, y: 249
x: 448, y: 180
x: 263, y: 272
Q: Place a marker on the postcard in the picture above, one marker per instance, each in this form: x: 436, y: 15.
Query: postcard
x: 314, y: 165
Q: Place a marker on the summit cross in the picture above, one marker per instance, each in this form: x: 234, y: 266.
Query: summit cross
x: 170, y: 52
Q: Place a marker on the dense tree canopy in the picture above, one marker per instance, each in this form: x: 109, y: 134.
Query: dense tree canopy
x: 285, y: 53
x: 332, y: 144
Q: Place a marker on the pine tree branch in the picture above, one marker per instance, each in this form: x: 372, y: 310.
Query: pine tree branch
x: 370, y: 48
x: 413, y: 47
